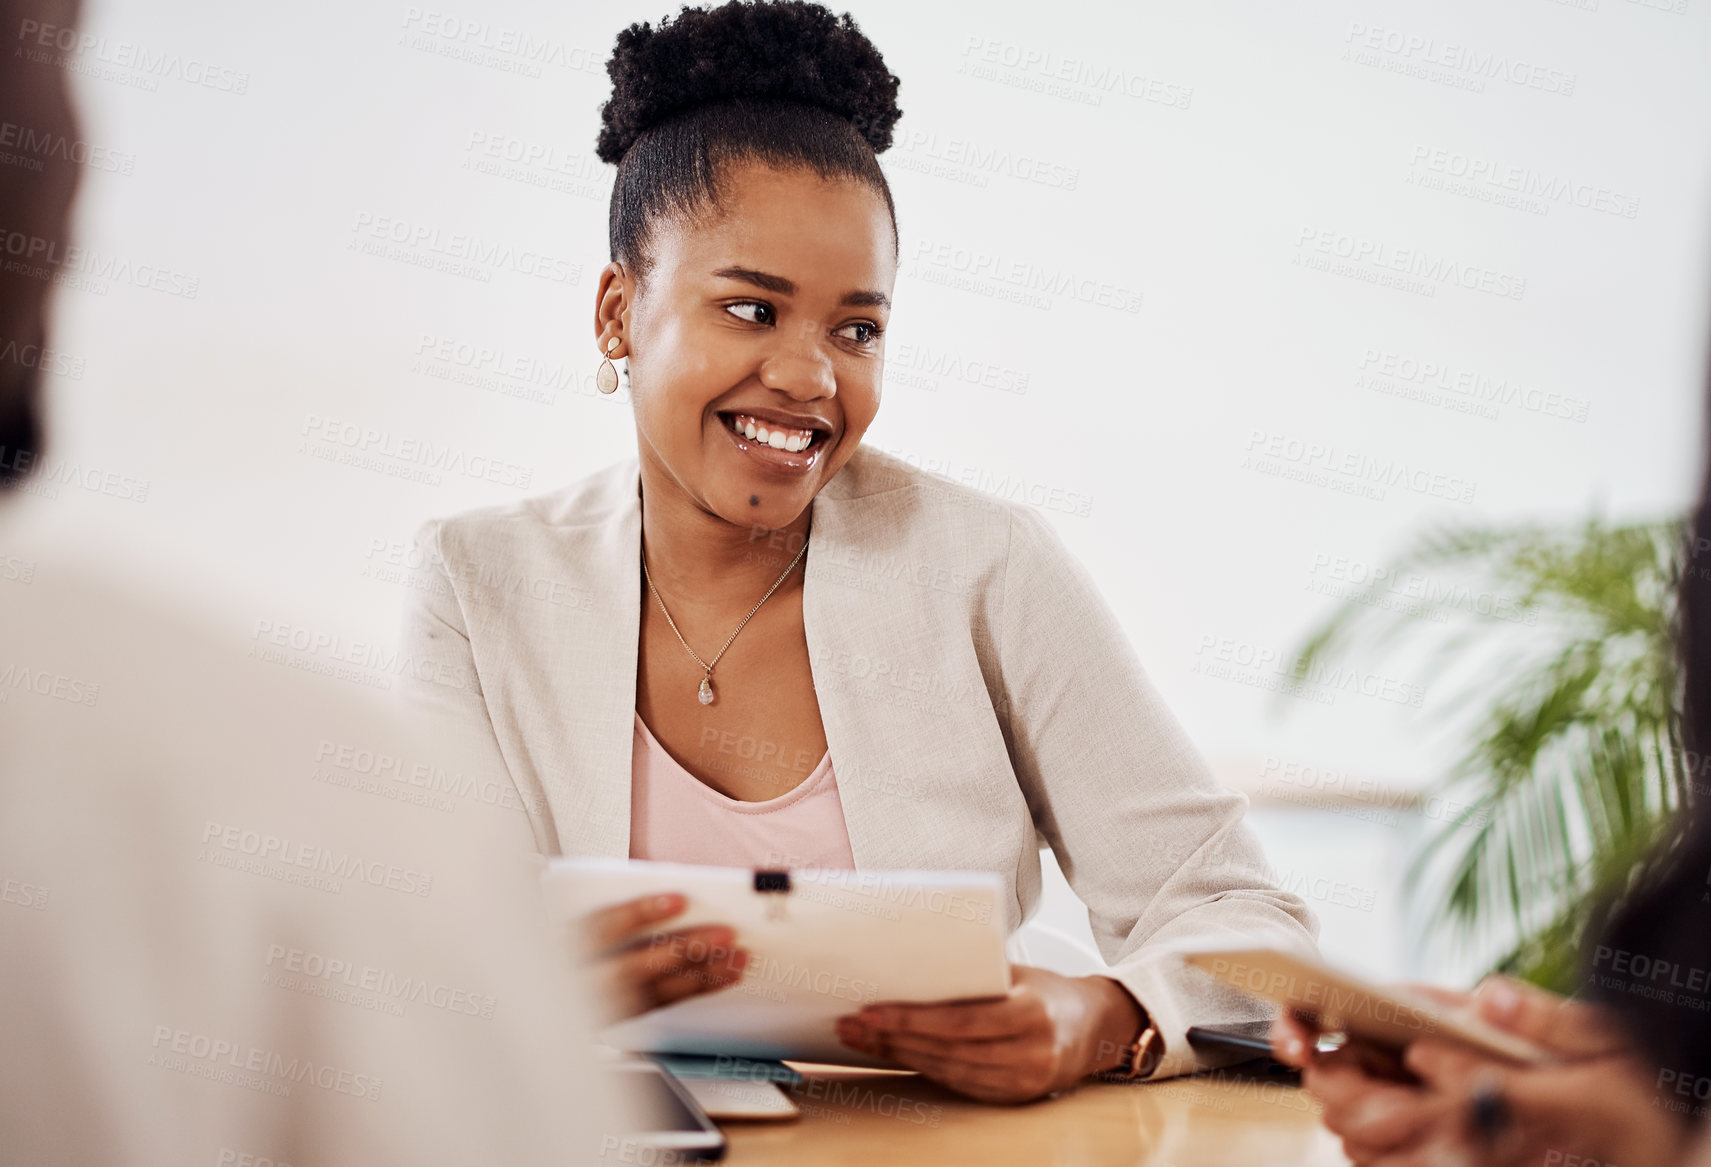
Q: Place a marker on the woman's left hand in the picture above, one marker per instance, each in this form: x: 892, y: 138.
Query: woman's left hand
x: 1047, y: 1033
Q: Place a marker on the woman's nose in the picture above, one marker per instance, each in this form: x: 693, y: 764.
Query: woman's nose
x: 801, y: 370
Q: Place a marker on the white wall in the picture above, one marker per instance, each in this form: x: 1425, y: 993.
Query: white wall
x: 1238, y: 140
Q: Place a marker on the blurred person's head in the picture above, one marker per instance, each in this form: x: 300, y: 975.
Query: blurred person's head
x: 753, y: 247
x: 36, y: 190
x: 1657, y: 940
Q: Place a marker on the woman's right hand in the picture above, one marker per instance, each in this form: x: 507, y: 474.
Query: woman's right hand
x: 636, y: 970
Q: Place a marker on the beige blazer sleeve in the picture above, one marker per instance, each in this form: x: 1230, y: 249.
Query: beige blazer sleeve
x: 1147, y: 838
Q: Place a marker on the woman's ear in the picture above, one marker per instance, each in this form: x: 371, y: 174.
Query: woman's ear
x: 612, y: 310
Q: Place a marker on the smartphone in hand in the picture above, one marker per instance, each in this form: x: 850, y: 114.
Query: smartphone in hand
x: 1385, y: 1019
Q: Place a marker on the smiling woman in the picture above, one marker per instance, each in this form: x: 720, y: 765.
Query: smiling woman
x: 789, y: 650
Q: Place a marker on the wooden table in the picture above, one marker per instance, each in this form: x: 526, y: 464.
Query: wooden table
x: 864, y: 1118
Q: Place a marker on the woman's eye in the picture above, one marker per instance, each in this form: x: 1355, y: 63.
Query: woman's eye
x: 863, y: 332
x: 752, y: 311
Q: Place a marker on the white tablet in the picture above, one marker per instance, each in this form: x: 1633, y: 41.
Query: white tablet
x: 1345, y: 1003
x: 821, y: 944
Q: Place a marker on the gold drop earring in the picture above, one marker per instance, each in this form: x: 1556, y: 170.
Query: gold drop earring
x: 606, y: 380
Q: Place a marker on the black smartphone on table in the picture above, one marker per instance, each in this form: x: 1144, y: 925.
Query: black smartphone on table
x: 1251, y: 1039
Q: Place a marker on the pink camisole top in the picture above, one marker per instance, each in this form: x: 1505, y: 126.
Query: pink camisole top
x: 676, y: 817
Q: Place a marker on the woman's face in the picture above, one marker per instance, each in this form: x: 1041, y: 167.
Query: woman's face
x: 767, y: 312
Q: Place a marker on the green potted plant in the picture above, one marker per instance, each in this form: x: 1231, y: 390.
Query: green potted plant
x: 1556, y: 646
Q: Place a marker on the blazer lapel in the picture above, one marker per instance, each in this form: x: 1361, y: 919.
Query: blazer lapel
x: 844, y: 622
x: 602, y: 644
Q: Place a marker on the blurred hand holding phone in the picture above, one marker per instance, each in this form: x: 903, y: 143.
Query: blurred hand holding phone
x: 1384, y: 1020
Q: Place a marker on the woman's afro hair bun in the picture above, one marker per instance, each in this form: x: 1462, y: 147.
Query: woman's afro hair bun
x: 784, y: 50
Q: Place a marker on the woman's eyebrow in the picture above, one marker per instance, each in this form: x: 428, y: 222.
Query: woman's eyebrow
x: 785, y: 287
x: 759, y: 279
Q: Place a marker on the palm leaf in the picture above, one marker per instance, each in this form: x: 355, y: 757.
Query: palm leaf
x: 1557, y: 646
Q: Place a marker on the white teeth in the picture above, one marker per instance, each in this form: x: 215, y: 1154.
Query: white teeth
x: 791, y: 441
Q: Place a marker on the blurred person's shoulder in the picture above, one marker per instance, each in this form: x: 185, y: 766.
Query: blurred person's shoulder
x: 102, y: 659
x: 260, y: 907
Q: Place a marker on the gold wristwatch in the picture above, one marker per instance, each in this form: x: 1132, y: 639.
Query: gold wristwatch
x: 1143, y: 1055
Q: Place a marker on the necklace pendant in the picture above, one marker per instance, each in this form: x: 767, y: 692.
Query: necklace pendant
x: 705, y: 693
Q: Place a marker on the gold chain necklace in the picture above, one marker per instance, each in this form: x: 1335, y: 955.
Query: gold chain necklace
x: 705, y: 693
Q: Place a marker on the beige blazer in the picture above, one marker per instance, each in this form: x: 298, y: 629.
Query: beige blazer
x: 979, y: 699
